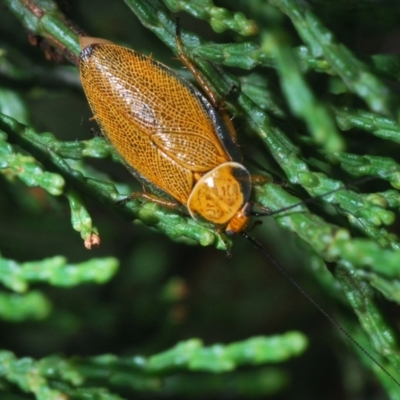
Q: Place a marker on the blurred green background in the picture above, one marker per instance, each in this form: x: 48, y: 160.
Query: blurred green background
x: 164, y: 291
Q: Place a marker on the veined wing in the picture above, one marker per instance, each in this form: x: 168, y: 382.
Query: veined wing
x: 158, y: 104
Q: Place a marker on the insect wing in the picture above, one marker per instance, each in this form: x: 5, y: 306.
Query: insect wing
x: 158, y: 124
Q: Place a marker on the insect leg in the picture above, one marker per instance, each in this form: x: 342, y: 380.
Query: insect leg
x: 210, y: 93
x: 151, y: 198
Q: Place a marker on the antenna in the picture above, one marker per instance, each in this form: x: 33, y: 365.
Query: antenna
x: 285, y: 273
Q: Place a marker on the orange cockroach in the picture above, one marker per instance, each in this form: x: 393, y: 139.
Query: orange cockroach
x: 172, y: 139
x: 169, y: 135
